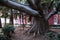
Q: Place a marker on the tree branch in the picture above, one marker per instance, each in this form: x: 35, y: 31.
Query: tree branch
x: 32, y: 4
x: 37, y: 2
x: 51, y: 4
x: 19, y: 7
x: 53, y: 12
x: 39, y: 7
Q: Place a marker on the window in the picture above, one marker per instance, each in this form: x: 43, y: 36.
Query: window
x: 56, y: 19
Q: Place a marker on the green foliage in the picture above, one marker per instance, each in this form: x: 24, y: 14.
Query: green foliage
x: 4, y: 12
x: 3, y: 37
x: 21, y: 25
x: 57, y: 5
x: 21, y: 1
x: 0, y: 8
x: 52, y: 36
x: 8, y: 29
x: 58, y: 36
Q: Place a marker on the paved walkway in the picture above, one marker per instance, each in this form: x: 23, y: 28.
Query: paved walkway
x: 19, y: 35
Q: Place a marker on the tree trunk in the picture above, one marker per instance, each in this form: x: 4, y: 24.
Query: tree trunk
x: 11, y: 17
x: 5, y: 20
x: 20, y: 18
x: 40, y: 25
x: 0, y: 23
x: 23, y: 25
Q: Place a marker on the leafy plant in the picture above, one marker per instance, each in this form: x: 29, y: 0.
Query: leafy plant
x: 52, y: 36
x: 58, y: 36
x: 3, y: 37
x: 8, y: 29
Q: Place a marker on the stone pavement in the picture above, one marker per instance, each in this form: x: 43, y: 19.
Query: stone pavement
x: 19, y: 35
